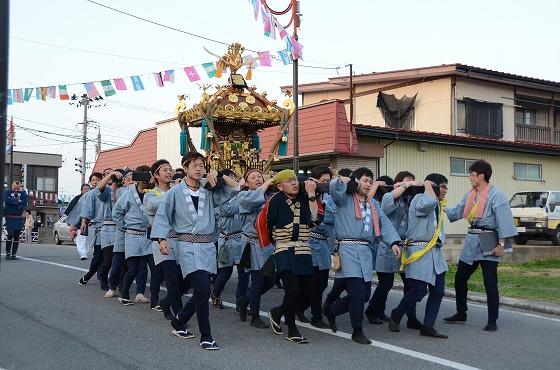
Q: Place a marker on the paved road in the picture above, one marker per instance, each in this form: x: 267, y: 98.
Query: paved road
x: 47, y: 321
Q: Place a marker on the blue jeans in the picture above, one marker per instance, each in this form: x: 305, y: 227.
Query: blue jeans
x: 416, y: 293
x: 260, y: 284
x: 358, y: 293
x: 198, y: 304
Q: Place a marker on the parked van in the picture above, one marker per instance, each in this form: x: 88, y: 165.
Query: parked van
x: 536, y: 215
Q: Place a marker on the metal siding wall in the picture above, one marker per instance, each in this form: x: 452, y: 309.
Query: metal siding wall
x: 406, y: 156
x: 354, y: 163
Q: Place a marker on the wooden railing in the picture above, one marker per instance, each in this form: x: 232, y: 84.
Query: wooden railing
x: 536, y: 134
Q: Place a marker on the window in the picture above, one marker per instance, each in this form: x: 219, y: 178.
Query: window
x: 525, y: 116
x: 45, y: 184
x: 525, y: 171
x: 397, y: 113
x: 460, y: 166
x: 532, y: 111
x: 480, y: 118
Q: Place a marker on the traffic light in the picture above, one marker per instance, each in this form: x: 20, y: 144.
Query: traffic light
x: 79, y: 165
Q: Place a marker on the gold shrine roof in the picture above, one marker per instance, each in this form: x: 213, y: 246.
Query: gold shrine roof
x: 235, y: 105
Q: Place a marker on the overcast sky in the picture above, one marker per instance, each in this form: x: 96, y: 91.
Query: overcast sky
x: 509, y: 36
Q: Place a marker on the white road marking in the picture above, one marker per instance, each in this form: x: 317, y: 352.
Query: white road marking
x: 374, y: 343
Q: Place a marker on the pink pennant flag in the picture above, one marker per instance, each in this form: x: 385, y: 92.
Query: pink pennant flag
x: 158, y: 78
x: 192, y: 74
x: 256, y: 8
x: 269, y: 29
x: 18, y: 96
x: 296, y: 48
x: 169, y: 75
x: 91, y: 90
x: 52, y: 92
x: 264, y: 58
x: 281, y: 30
x: 119, y: 84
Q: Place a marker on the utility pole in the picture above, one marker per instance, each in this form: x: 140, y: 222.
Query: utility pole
x: 351, y: 108
x: 4, y: 53
x: 98, y: 147
x: 85, y: 103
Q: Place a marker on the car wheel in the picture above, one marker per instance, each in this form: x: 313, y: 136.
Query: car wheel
x: 556, y: 236
x: 520, y: 240
x: 57, y: 239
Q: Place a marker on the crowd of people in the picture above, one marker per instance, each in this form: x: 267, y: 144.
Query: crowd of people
x: 191, y: 229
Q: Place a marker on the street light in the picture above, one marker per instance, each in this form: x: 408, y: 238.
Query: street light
x: 295, y: 20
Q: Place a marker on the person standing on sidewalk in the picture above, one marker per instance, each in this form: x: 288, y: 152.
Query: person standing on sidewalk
x: 73, y: 220
x: 29, y: 223
x: 487, y: 210
x: 15, y: 201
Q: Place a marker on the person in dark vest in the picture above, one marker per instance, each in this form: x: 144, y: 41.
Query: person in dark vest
x: 15, y: 201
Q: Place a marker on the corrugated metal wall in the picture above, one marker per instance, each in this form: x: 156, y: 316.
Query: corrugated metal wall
x: 354, y: 163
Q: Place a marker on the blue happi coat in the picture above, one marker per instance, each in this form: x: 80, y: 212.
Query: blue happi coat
x: 496, y: 216
x: 107, y: 197
x: 178, y: 213
x: 230, y: 238
x: 93, y: 210
x: 322, y: 249
x: 14, y: 205
x: 152, y: 200
x: 422, y: 223
x: 250, y: 204
x: 357, y: 259
x: 130, y: 216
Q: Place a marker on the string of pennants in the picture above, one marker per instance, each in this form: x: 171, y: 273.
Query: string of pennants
x: 109, y: 87
x: 271, y: 25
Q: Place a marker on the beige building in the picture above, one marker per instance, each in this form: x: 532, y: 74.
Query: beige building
x: 439, y: 119
x: 167, y: 140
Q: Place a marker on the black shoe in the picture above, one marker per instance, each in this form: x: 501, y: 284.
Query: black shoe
x: 491, y: 326
x: 394, y: 323
x: 209, y: 345
x: 358, y: 336
x: 301, y: 317
x: 166, y: 309
x: 373, y: 318
x: 8, y: 256
x: 458, y: 317
x: 431, y: 332
x: 384, y: 317
x: 295, y: 336
x: 257, y: 322
x: 243, y: 303
x: 319, y: 324
x: 14, y: 257
x: 217, y: 303
x: 327, y: 312
x: 274, y: 317
x: 414, y: 324
x: 83, y: 258
x: 82, y: 281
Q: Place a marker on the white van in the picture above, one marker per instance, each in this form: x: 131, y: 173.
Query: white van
x: 536, y: 215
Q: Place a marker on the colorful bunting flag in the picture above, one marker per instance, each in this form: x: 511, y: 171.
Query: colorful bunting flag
x: 169, y: 75
x: 269, y: 29
x: 158, y: 78
x: 51, y: 91
x: 108, y: 88
x: 27, y: 94
x: 210, y: 69
x: 137, y: 83
x: 283, y: 54
x: 63, y: 92
x: 41, y: 93
x: 192, y: 74
x: 281, y: 30
x: 264, y: 58
x: 256, y: 8
x: 18, y: 96
x: 91, y: 90
x: 10, y: 99
x: 250, y: 61
x: 119, y: 83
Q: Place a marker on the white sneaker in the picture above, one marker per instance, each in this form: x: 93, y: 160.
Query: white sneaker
x: 141, y: 299
x: 110, y: 294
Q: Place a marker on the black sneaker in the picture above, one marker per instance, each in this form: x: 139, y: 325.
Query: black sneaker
x: 358, y: 336
x: 14, y: 257
x: 457, y: 317
x: 243, y: 303
x: 8, y: 256
x: 319, y: 324
x: 327, y: 312
x: 82, y: 281
x: 257, y: 322
x: 166, y: 309
x: 274, y: 316
x: 126, y: 301
x: 210, y: 346
x: 217, y: 303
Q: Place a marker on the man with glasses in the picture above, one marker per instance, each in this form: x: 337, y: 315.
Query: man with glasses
x: 15, y: 201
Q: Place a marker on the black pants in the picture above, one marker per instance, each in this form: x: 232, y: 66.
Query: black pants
x: 358, y: 294
x: 133, y: 268
x: 490, y: 276
x: 296, y: 289
x: 379, y: 297
x: 12, y: 242
x: 320, y: 282
x: 95, y: 263
x: 198, y: 304
x: 156, y: 279
x: 107, y: 254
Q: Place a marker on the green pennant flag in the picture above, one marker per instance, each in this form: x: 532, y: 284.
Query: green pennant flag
x: 108, y: 88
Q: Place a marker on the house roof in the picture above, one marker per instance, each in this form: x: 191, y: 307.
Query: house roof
x: 468, y: 141
x: 461, y: 70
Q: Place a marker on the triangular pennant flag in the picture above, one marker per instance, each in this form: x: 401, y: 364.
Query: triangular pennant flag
x: 158, y: 78
x: 192, y: 74
x: 251, y: 61
x: 296, y: 48
x: 264, y: 58
x: 108, y: 88
x: 42, y: 93
x: 119, y: 83
x: 210, y: 69
x: 269, y: 28
x: 256, y: 8
x: 18, y: 96
x: 169, y: 75
x: 91, y: 90
x: 137, y: 83
x: 10, y: 99
x: 282, y: 32
x: 62, y: 92
x: 52, y: 92
x: 28, y: 93
x: 284, y: 57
